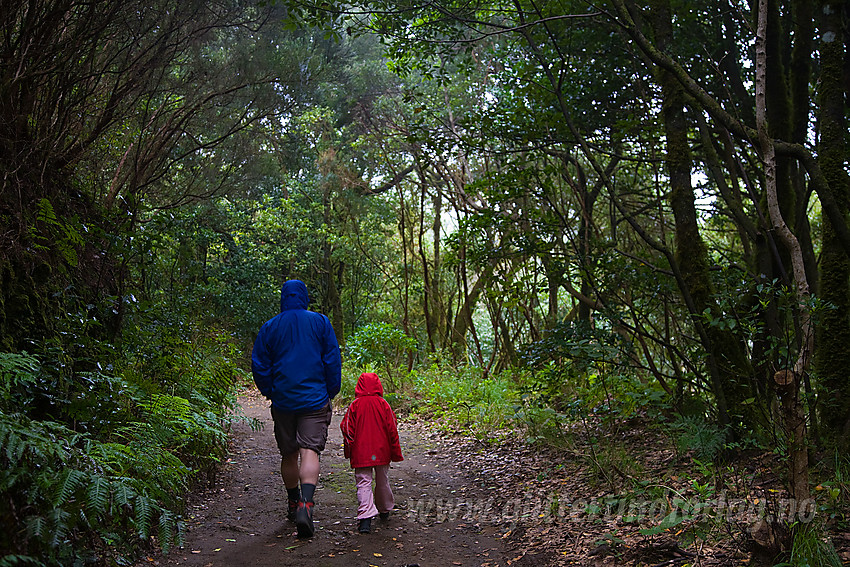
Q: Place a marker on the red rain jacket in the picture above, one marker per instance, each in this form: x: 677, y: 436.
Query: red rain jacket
x: 369, y: 427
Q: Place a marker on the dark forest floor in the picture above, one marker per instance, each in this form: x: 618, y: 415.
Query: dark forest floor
x: 458, y: 502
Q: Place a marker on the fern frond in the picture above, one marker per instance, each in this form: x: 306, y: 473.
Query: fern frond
x: 70, y: 481
x: 122, y: 493
x: 97, y: 497
x: 36, y: 527
x: 16, y: 369
x: 59, y: 520
x: 113, y: 458
x: 167, y: 527
x: 13, y: 445
x: 20, y: 561
x: 149, y: 434
x: 143, y: 515
x: 168, y: 408
x: 222, y: 377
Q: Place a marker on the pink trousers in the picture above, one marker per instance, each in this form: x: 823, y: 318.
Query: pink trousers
x: 371, y: 503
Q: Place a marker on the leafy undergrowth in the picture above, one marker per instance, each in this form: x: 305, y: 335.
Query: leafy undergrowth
x: 95, y: 464
x: 608, y: 478
x: 629, y: 498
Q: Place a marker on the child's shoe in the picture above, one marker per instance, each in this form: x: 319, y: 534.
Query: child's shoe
x: 292, y: 506
x: 384, y: 516
x: 365, y: 526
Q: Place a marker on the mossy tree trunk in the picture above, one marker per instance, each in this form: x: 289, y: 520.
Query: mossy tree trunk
x: 833, y: 355
x: 788, y: 51
x: 730, y: 369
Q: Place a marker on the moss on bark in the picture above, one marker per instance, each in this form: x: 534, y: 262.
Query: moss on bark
x: 833, y: 354
x: 732, y: 373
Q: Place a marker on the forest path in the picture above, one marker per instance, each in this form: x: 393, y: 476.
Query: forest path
x: 241, y: 520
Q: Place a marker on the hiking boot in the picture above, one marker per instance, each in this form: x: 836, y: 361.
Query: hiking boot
x: 365, y: 526
x: 304, y: 519
x: 384, y: 516
x: 292, y: 507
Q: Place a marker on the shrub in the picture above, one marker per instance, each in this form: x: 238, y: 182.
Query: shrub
x: 94, y: 466
x: 380, y: 346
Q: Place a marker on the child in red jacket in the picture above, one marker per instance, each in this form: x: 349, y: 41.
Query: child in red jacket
x: 370, y: 438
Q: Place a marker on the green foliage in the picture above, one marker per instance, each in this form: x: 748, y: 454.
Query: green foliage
x: 462, y: 399
x: 97, y: 464
x: 574, y: 354
x: 64, y: 235
x: 73, y: 494
x: 693, y: 433
x: 380, y: 345
x: 812, y: 548
x: 541, y: 423
x: 833, y: 490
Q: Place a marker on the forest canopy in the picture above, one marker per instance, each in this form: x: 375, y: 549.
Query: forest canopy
x: 651, y: 196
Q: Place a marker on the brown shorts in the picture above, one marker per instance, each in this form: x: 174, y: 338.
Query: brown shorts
x: 301, y: 430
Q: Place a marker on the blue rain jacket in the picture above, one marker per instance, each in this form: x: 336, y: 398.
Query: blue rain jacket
x: 296, y: 360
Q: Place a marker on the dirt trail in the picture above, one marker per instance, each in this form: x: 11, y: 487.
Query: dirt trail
x: 242, y: 520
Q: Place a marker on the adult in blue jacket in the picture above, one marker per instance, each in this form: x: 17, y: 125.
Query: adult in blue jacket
x: 296, y: 364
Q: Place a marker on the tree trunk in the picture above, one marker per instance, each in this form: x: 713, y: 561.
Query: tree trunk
x: 833, y: 356
x: 427, y: 280
x: 334, y: 301
x: 731, y: 384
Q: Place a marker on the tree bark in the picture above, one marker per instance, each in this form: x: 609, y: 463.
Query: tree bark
x: 691, y: 254
x: 833, y: 356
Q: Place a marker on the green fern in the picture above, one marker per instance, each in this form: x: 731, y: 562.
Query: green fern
x: 120, y: 482
x: 123, y: 495
x: 144, y: 511
x: 12, y: 444
x: 16, y: 370
x: 70, y: 483
x: 98, y: 496
x: 168, y: 529
x: 58, y: 520
x: 36, y: 527
x: 20, y: 561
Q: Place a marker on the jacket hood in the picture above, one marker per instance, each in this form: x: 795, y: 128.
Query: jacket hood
x: 368, y: 385
x: 293, y: 295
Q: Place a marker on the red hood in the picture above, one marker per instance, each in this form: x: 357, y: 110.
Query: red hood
x: 368, y: 385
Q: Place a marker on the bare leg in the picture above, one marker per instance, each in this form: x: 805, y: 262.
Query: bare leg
x: 289, y: 470
x: 309, y: 473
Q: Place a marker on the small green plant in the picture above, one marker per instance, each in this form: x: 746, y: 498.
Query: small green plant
x: 542, y: 424
x: 811, y: 548
x: 465, y: 400
x: 610, y: 464
x: 693, y: 433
